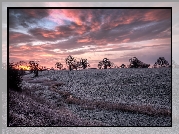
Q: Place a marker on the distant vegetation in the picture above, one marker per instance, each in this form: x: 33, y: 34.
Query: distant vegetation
x: 72, y: 63
x: 59, y: 65
x: 161, y: 62
x: 84, y: 63
x: 105, y: 63
x: 34, y: 67
x: 123, y: 66
x: 135, y: 63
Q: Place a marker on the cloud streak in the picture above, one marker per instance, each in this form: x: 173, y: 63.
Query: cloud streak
x: 82, y: 32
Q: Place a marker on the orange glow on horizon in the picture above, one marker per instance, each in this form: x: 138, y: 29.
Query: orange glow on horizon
x: 24, y: 67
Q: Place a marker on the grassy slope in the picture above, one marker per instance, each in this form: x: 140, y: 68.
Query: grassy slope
x: 28, y: 110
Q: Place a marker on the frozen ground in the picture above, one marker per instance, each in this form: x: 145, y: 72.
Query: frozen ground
x: 139, y: 95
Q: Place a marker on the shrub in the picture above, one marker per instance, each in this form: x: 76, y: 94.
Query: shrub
x: 15, y: 78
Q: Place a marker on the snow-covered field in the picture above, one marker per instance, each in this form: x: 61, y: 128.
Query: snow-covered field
x: 135, y: 89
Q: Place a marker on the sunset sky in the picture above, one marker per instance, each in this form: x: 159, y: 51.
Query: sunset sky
x: 50, y: 35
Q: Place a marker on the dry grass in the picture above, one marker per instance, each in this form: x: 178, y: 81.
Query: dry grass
x: 88, y: 104
x: 28, y: 110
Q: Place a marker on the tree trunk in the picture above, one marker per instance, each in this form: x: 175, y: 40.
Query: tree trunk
x: 36, y: 73
x: 105, y: 67
x: 70, y: 67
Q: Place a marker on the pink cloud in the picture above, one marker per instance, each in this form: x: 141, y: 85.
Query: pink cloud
x: 84, y: 40
x: 157, y: 14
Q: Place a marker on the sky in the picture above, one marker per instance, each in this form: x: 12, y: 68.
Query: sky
x: 50, y: 35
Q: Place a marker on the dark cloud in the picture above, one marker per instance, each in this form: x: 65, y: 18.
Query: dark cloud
x: 60, y: 32
x: 13, y: 21
x: 66, y: 45
x: 122, y: 31
x: 24, y: 24
x: 133, y: 32
x: 122, y: 48
x: 17, y: 37
x: 151, y: 31
x: 25, y: 17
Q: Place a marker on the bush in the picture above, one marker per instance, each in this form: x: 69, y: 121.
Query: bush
x: 15, y: 78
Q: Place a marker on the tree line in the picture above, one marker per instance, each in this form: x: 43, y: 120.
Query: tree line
x: 15, y: 70
x: 74, y: 64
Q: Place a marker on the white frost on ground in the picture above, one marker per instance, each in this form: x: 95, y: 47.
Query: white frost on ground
x: 131, y: 86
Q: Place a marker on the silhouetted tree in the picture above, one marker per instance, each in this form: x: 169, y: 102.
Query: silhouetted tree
x: 100, y: 65
x: 161, y: 62
x: 123, y: 66
x: 71, y: 62
x: 135, y: 63
x: 41, y: 68
x: 34, y: 67
x: 14, y: 76
x: 105, y: 63
x: 58, y: 65
x: 21, y: 66
x: 52, y: 68
x: 44, y: 67
x: 84, y: 63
